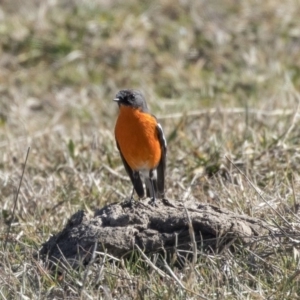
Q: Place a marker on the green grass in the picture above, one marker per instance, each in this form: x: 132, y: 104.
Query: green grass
x: 223, y: 78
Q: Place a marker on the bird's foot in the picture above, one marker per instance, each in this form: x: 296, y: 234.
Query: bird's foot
x: 166, y: 202
x: 131, y: 203
x: 153, y: 202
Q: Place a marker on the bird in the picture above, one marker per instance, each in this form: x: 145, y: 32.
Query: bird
x: 142, y: 145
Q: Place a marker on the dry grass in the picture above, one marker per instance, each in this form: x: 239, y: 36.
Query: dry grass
x: 223, y: 76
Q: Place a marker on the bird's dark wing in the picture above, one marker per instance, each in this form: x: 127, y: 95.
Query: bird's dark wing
x: 134, y: 176
x: 161, y: 168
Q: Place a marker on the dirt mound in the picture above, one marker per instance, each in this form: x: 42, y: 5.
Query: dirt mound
x: 117, y: 228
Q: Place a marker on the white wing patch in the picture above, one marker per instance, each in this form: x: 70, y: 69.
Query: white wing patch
x: 162, y: 135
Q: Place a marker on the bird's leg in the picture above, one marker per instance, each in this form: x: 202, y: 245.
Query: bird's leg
x: 131, y: 197
x: 131, y: 201
x: 153, y: 198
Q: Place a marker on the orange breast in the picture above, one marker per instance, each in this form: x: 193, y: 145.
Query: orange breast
x: 137, y: 137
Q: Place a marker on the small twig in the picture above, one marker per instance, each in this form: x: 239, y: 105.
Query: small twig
x: 16, y: 200
x: 3, y: 297
x: 164, y: 275
x: 294, y: 196
x: 180, y: 283
x: 155, y: 268
x: 115, y: 173
x: 189, y: 189
x: 192, y: 237
x: 173, y: 274
x: 88, y: 266
x: 106, y: 255
x: 231, y: 111
x: 258, y: 193
x: 290, y: 129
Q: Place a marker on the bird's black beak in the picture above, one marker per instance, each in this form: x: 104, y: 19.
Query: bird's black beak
x: 116, y: 99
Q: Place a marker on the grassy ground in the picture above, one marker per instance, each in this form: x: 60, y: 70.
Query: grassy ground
x: 222, y: 76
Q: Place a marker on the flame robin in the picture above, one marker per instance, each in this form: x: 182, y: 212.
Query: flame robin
x: 141, y: 143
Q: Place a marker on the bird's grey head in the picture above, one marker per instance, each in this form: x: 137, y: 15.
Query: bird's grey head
x: 131, y: 98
